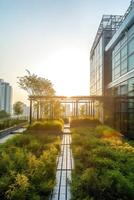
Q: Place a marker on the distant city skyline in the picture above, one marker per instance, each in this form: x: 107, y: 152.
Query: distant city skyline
x: 52, y: 39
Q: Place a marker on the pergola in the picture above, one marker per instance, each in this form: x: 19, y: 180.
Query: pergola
x: 73, y: 100
x: 89, y: 101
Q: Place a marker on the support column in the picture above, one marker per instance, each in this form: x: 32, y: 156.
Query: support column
x: 76, y: 108
x: 30, y: 117
x: 65, y: 115
x: 89, y: 109
x: 51, y: 110
x: 86, y: 110
x: 93, y: 110
x: 37, y: 110
x: 72, y: 109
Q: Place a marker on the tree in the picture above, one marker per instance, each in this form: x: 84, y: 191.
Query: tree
x: 57, y: 109
x: 35, y: 85
x: 18, y: 108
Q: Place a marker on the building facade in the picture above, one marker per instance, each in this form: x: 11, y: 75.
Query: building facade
x: 5, y: 96
x: 117, y: 80
x: 100, y: 70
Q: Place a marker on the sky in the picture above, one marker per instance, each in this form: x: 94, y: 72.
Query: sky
x: 51, y: 38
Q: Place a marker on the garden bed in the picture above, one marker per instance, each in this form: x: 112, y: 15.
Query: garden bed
x: 104, y: 164
x: 28, y: 166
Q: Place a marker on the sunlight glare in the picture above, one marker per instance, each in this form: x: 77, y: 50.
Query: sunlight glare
x: 64, y: 69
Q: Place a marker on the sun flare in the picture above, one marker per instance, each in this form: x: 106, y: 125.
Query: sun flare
x: 64, y: 69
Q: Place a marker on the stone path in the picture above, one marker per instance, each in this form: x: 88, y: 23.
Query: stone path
x: 64, y: 167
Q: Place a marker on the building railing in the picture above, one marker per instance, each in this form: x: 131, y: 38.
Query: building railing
x: 131, y: 6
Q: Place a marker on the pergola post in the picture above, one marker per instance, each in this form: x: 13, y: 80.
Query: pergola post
x: 30, y: 117
x: 89, y: 108
x: 73, y: 109
x: 93, y: 110
x: 86, y: 110
x: 76, y: 108
x: 37, y: 110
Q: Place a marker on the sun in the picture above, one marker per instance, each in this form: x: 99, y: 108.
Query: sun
x: 65, y: 68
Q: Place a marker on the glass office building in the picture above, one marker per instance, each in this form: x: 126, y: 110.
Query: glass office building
x: 99, y: 73
x: 118, y: 72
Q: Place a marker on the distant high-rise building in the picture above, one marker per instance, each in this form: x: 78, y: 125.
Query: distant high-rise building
x: 5, y: 96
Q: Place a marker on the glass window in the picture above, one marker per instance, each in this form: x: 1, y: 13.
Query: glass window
x: 131, y: 121
x: 123, y: 88
x: 113, y: 66
x: 117, y: 57
x: 131, y: 62
x: 131, y: 105
x: 131, y: 87
x: 117, y: 47
x: 124, y: 67
x: 117, y: 72
x: 117, y: 90
x: 124, y: 52
x: 124, y: 39
x: 113, y: 75
x: 131, y: 47
x: 117, y: 63
x: 123, y: 107
x: 131, y: 30
x: 113, y: 54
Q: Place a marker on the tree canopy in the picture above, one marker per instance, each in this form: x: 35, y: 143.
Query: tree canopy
x: 35, y: 85
x: 18, y: 108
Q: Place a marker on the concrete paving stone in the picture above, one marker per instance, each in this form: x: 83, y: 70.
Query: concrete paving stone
x: 62, y: 197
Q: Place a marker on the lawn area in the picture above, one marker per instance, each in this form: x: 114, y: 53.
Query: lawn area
x: 104, y: 164
x: 28, y: 163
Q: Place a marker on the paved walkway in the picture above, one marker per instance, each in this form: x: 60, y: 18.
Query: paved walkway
x: 64, y: 168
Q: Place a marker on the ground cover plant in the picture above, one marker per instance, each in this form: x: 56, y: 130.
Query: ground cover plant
x: 28, y: 165
x: 104, y: 164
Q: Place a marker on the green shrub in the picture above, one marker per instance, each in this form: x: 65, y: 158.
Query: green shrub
x: 6, y: 123
x: 50, y: 125
x: 107, y: 132
x: 103, y: 165
x: 28, y: 166
x: 84, y: 122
